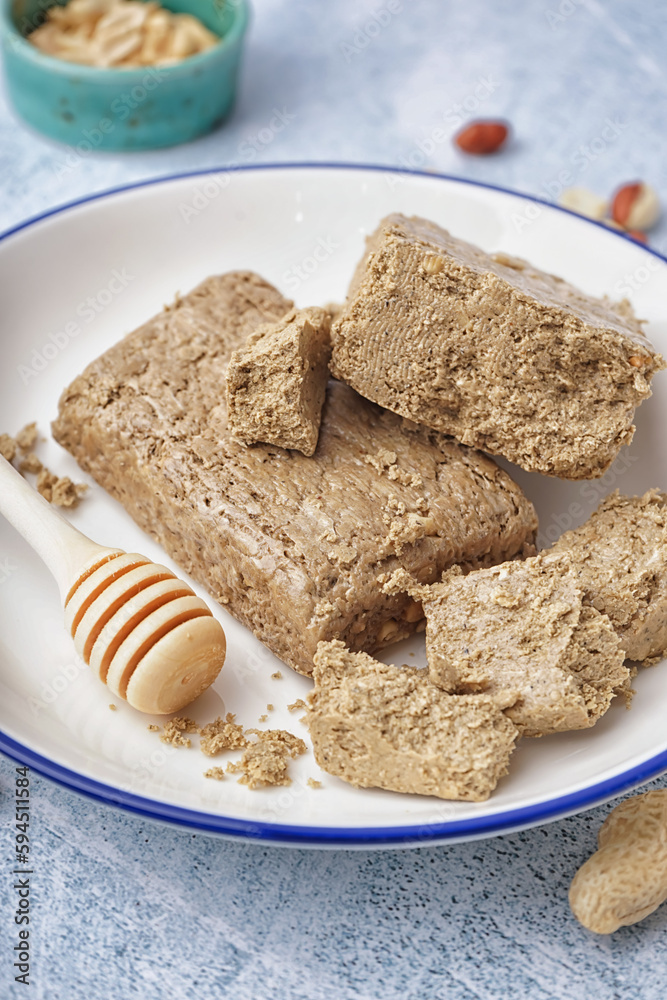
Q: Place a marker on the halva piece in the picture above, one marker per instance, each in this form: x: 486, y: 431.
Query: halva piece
x: 389, y: 727
x: 276, y: 383
x: 521, y: 633
x: 501, y: 356
x: 291, y: 546
x: 620, y: 557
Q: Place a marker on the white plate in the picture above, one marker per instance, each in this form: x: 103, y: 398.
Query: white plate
x: 74, y: 282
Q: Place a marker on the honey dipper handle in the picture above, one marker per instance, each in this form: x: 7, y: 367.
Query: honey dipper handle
x: 59, y: 544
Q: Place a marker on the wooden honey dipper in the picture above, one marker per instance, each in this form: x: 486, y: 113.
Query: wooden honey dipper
x: 146, y: 634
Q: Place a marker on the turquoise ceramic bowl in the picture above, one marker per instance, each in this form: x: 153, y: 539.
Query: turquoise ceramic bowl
x: 123, y: 109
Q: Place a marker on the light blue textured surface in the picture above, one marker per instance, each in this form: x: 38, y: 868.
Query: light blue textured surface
x: 123, y: 909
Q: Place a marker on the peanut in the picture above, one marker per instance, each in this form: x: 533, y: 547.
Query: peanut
x: 636, y: 206
x: 387, y: 630
x: 109, y: 33
x: 413, y: 612
x: 433, y: 263
x: 482, y: 137
x: 584, y: 202
x: 626, y: 878
x: 157, y: 33
x: 426, y: 524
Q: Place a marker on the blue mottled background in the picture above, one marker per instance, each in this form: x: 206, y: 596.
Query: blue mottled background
x: 124, y: 909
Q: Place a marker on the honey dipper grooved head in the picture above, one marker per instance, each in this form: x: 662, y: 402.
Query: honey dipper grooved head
x: 144, y: 632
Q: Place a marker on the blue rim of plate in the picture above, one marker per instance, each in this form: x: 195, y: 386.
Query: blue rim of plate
x: 412, y: 835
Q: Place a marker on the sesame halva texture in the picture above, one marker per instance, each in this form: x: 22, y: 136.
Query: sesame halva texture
x: 291, y: 546
x: 620, y: 556
x: 521, y: 633
x: 277, y: 381
x: 489, y: 349
x: 379, y: 726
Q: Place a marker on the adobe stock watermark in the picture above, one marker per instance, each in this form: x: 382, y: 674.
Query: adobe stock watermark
x: 453, y: 118
x: 254, y: 144
x: 370, y: 29
x: 285, y: 799
x: 592, y: 492
x: 8, y: 567
x: 254, y: 662
x: 636, y: 279
x: 295, y: 275
x: 248, y: 150
x: 120, y: 110
x: 25, y: 25
x: 85, y: 312
x: 566, y: 8
x: 149, y: 766
x: 51, y: 690
x: 580, y: 160
x: 23, y: 869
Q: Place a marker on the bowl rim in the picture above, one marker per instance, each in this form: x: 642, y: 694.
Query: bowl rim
x: 11, y: 38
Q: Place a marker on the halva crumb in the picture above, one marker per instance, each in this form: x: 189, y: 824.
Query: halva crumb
x: 58, y: 490
x: 266, y: 761
x: 30, y: 464
x: 215, y: 772
x: 223, y: 734
x: 7, y: 447
x: 174, y: 730
x: 65, y: 493
x: 26, y: 437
